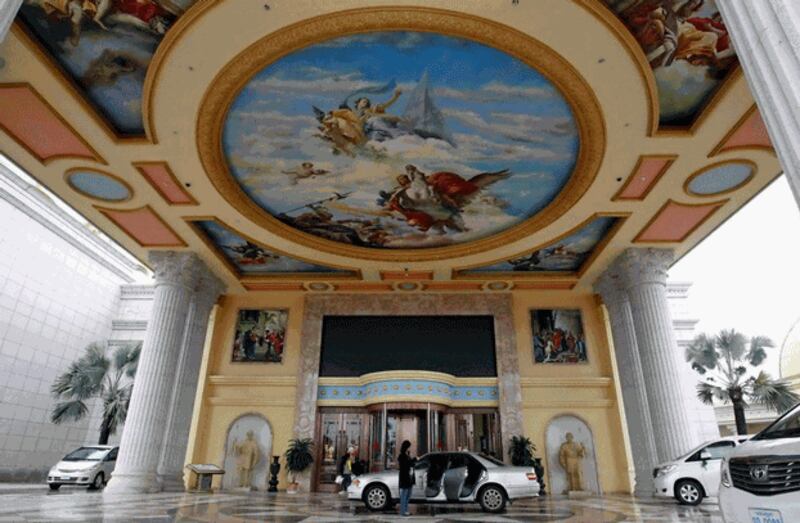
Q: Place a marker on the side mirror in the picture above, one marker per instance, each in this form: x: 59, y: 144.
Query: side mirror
x: 705, y: 455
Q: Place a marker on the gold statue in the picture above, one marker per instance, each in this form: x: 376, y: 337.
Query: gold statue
x: 570, y: 457
x: 247, y: 457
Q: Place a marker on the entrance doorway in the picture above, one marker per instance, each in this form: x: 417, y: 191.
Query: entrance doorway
x: 377, y: 431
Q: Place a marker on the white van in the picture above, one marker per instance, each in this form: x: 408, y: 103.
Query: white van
x: 695, y: 475
x: 86, y: 466
x: 761, y: 479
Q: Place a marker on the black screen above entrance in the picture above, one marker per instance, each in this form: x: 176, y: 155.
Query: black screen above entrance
x: 457, y: 345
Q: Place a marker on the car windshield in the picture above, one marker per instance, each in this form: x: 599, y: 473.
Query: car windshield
x: 86, y: 454
x: 493, y: 461
x: 787, y: 426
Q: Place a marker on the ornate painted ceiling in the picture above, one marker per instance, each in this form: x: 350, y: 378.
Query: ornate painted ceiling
x: 370, y: 145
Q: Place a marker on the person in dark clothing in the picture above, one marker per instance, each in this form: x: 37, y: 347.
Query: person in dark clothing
x: 345, y: 468
x: 406, y: 480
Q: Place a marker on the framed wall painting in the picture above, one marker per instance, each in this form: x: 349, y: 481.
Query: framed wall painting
x: 259, y: 336
x: 558, y: 336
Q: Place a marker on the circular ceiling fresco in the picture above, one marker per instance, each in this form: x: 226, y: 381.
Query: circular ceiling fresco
x: 400, y: 140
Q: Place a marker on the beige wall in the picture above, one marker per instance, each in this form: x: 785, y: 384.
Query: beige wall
x: 584, y: 390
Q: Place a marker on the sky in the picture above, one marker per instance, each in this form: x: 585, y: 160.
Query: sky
x: 746, y: 274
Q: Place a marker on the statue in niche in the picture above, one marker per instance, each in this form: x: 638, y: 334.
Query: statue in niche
x: 247, y: 457
x: 570, y: 457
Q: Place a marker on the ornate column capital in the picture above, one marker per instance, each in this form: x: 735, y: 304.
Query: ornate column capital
x: 176, y: 268
x: 647, y: 265
x: 610, y: 288
x: 208, y: 289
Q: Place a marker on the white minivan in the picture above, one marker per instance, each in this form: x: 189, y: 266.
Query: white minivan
x: 761, y: 479
x: 695, y: 475
x: 89, y: 466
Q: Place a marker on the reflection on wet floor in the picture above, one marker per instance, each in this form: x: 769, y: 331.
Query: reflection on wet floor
x: 34, y: 503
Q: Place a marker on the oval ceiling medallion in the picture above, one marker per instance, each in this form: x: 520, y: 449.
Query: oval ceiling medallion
x: 720, y: 178
x: 409, y: 142
x: 99, y: 185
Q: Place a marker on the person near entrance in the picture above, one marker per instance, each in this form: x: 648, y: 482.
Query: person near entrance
x: 346, y: 465
x: 406, y: 479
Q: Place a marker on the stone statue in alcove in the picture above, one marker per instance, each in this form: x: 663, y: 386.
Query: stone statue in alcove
x: 247, y: 457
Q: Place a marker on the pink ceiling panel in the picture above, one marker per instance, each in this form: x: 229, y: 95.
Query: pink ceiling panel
x: 675, y: 221
x: 144, y: 226
x: 37, y: 127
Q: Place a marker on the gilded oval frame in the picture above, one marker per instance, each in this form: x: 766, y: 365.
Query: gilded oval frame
x: 232, y: 78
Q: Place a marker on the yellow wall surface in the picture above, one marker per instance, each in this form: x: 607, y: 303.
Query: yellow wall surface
x: 585, y: 390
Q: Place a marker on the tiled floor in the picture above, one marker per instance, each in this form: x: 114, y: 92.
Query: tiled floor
x: 36, y: 503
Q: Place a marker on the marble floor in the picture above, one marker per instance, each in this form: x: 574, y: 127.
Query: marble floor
x: 24, y: 503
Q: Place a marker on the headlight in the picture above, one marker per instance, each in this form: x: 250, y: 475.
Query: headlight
x: 725, y: 478
x: 663, y: 471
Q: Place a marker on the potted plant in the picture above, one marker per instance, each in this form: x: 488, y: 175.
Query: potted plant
x: 522, y: 452
x: 299, y: 456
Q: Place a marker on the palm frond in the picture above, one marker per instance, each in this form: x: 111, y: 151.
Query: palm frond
x: 731, y: 344
x: 775, y: 394
x: 702, y: 354
x: 115, y: 406
x: 708, y: 392
x: 72, y: 410
x: 758, y: 353
x: 133, y: 360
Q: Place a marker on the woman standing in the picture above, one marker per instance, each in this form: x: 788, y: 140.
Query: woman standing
x: 406, y: 480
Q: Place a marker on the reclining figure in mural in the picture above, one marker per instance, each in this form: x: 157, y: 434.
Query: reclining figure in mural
x: 434, y: 202
x: 670, y: 30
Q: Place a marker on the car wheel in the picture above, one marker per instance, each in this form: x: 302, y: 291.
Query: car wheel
x: 98, y: 482
x: 688, y: 492
x: 492, y: 499
x: 377, y: 498
x: 54, y: 486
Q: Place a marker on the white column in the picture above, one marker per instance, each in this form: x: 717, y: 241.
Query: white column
x: 766, y: 35
x: 8, y: 10
x: 143, y: 435
x: 176, y: 435
x: 634, y: 392
x: 643, y: 273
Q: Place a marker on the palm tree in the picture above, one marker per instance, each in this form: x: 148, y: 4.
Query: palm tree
x: 727, y: 363
x: 99, y: 373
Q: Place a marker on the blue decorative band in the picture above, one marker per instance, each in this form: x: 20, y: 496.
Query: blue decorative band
x: 417, y: 389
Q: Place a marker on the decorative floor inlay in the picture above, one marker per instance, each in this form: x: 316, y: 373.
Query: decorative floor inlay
x: 36, y: 503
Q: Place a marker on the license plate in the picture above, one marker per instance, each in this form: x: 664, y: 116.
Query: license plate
x: 761, y: 515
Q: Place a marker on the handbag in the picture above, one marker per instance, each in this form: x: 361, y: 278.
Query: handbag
x: 339, y: 479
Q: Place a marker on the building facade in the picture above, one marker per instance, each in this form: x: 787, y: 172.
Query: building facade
x: 526, y: 171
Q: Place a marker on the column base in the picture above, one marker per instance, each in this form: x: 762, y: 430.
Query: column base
x: 143, y: 483
x: 172, y: 482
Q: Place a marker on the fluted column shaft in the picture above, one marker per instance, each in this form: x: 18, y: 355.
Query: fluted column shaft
x: 644, y: 276
x: 634, y: 391
x: 8, y: 11
x: 766, y: 35
x: 176, y: 434
x: 143, y: 434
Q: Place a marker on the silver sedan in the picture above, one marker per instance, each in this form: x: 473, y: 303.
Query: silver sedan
x: 450, y: 477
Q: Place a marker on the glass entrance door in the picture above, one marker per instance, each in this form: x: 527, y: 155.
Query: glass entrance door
x: 338, y: 432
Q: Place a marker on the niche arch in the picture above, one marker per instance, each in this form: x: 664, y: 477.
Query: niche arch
x: 555, y: 435
x: 263, y: 435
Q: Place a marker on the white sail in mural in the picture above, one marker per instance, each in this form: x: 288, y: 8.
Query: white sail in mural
x: 422, y: 117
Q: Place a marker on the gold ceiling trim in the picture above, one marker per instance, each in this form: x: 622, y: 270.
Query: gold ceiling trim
x: 352, y: 274
x: 704, y: 170
x: 235, y: 75
x: 461, y: 273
